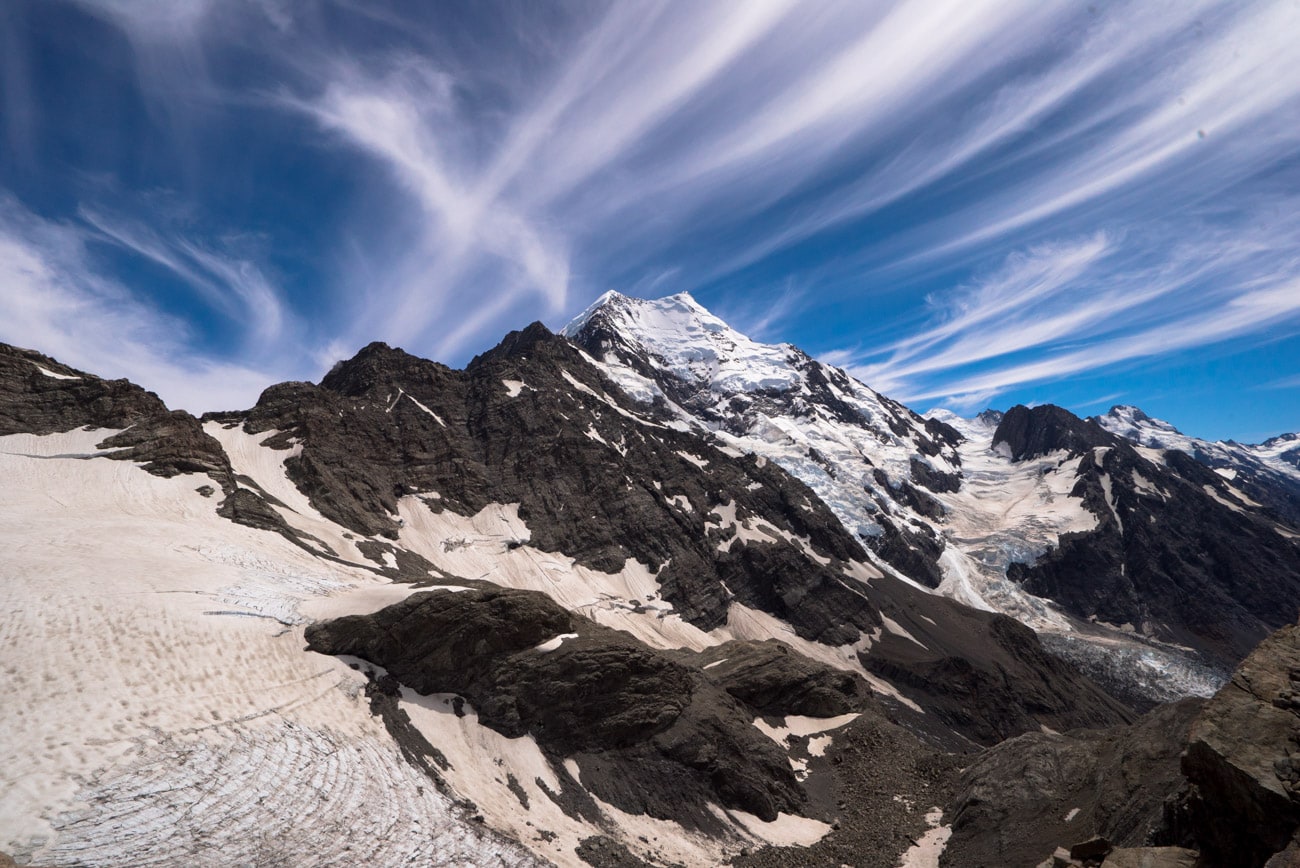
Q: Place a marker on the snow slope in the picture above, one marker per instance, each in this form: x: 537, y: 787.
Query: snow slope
x: 158, y: 708
x: 1280, y: 455
x: 826, y: 428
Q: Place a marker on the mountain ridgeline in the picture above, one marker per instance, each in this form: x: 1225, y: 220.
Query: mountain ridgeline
x: 648, y: 592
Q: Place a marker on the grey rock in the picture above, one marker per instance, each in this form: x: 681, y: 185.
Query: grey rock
x: 1121, y: 783
x: 1240, y: 757
x: 772, y: 679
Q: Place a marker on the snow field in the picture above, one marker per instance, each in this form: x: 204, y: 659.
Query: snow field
x: 157, y: 706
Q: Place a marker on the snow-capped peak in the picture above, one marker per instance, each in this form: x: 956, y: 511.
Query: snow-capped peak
x: 680, y: 336
x: 1133, y: 424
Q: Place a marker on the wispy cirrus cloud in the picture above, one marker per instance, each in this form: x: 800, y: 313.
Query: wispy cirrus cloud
x: 57, y: 300
x: 234, y: 286
x: 1061, y: 309
x: 986, y: 193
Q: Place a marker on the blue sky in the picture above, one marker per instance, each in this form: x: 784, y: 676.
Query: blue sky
x: 967, y: 203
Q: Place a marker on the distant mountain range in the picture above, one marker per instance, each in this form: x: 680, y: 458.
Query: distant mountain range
x: 1207, y: 561
x: 645, y: 592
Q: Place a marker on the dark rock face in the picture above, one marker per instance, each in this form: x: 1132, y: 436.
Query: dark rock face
x: 1029, y: 433
x: 651, y: 734
x: 915, y: 553
x: 1022, y: 799
x: 601, y: 851
x: 32, y: 402
x: 813, y: 598
x: 1177, y: 553
x: 773, y: 680
x: 171, y: 443
x: 985, y: 676
x: 935, y: 480
x: 1243, y: 757
x: 594, y: 477
x: 1207, y: 782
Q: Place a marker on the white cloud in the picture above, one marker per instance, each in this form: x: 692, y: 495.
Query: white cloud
x: 56, y: 300
x: 231, y: 285
x: 686, y: 145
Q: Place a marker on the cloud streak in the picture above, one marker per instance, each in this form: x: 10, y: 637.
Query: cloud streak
x: 977, y: 194
x: 56, y: 300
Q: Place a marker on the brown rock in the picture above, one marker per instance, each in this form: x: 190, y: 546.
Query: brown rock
x: 1151, y: 857
x: 1241, y: 756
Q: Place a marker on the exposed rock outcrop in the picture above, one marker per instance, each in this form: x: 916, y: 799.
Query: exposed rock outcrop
x: 1243, y: 757
x: 1025, y: 797
x: 772, y: 679
x: 1029, y: 433
x: 651, y: 734
x: 39, y: 395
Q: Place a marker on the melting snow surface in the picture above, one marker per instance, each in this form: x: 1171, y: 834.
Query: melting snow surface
x: 163, y: 674
x: 927, y: 850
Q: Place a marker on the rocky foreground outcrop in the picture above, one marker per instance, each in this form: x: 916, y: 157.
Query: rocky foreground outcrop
x: 1243, y: 759
x: 1028, y: 795
x: 1211, y: 783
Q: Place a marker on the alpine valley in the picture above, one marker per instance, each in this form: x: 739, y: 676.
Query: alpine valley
x: 644, y: 592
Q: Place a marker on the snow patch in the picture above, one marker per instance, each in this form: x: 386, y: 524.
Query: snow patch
x: 925, y: 853
x: 554, y: 643
x: 54, y: 376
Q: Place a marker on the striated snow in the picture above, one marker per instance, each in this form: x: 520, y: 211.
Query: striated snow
x: 164, y: 711
x: 164, y: 675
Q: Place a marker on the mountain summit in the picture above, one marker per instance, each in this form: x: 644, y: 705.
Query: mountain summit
x: 1036, y: 513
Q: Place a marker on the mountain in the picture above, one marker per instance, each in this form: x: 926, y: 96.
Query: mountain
x: 1268, y: 473
x: 1123, y: 561
x: 610, y: 600
x: 874, y: 462
x: 1179, y: 553
x: 505, y: 615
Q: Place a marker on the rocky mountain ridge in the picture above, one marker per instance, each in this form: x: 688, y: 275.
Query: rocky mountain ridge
x: 986, y: 510
x: 552, y: 623
x: 1268, y: 472
x: 528, y: 472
